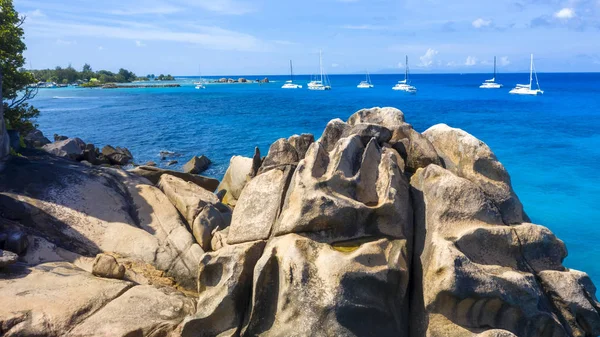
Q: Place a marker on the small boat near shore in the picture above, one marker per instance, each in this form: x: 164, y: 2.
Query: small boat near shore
x: 322, y: 83
x: 404, y: 85
x: 290, y: 84
x: 525, y: 89
x: 491, y: 83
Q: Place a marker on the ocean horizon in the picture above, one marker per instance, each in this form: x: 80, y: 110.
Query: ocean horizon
x: 549, y: 144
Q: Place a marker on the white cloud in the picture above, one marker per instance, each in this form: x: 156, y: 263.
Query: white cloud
x: 284, y: 42
x: 428, y: 59
x: 139, y: 43
x: 230, y: 7
x: 471, y: 61
x: 451, y: 64
x: 35, y: 14
x: 362, y: 27
x: 211, y: 37
x: 100, y: 48
x: 480, y: 23
x: 334, y: 65
x: 140, y: 10
x: 504, y: 61
x: 65, y: 42
x: 401, y: 64
x: 565, y: 14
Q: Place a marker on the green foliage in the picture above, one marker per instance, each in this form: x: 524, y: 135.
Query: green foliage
x: 162, y: 77
x: 20, y: 117
x: 70, y: 75
x: 15, y: 87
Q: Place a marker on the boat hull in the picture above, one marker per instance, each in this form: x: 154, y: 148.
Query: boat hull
x: 525, y: 91
x: 490, y: 86
x: 291, y: 86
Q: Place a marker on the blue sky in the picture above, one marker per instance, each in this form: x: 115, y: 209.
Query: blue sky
x: 185, y: 37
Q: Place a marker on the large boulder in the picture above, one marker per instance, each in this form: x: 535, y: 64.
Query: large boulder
x: 59, y: 299
x: 225, y: 288
x: 117, y: 156
x: 35, y: 138
x: 90, y: 210
x: 107, y: 266
x: 239, y: 172
x: 153, y: 174
x: 196, y: 165
x: 281, y: 153
x: 414, y: 148
x: 196, y: 205
x: 306, y: 288
x: 474, y: 272
x: 141, y: 311
x: 472, y: 159
x: 71, y: 148
x: 259, y: 206
x: 350, y: 192
x: 7, y: 258
x: 51, y: 299
x: 301, y: 143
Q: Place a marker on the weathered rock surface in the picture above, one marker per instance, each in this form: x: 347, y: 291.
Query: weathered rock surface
x: 196, y: 165
x: 305, y: 288
x: 141, y: 311
x: 239, y: 172
x: 7, y: 258
x: 259, y: 206
x: 117, y: 156
x: 71, y: 148
x: 475, y: 272
x: 89, y: 210
x: 35, y: 138
x: 350, y: 192
x: 108, y: 267
x: 373, y: 230
x: 197, y: 206
x: 224, y: 287
x: 154, y: 173
x: 472, y: 159
x: 59, y: 299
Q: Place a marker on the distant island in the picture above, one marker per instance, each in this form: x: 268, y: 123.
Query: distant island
x: 59, y: 77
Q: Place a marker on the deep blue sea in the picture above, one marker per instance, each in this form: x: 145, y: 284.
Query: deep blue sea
x: 550, y: 144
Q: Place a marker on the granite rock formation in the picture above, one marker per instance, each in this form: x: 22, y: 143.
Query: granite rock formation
x: 374, y: 229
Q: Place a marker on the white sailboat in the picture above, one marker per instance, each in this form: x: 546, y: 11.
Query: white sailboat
x: 319, y: 84
x: 491, y: 84
x: 405, y: 84
x: 290, y: 84
x: 366, y: 84
x: 200, y: 83
x: 525, y: 89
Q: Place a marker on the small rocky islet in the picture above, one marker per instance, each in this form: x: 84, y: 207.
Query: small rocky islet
x: 374, y: 229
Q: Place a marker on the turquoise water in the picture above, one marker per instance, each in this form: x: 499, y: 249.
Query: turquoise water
x: 549, y: 144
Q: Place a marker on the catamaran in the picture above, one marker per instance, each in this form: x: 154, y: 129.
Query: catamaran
x: 366, y: 84
x: 405, y: 84
x: 491, y: 84
x: 319, y: 84
x: 525, y: 89
x: 290, y: 84
x: 200, y: 83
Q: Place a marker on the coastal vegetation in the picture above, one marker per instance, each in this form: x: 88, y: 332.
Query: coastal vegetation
x: 86, y: 76
x: 16, y: 92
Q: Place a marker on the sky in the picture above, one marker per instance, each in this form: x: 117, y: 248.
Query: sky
x: 252, y: 37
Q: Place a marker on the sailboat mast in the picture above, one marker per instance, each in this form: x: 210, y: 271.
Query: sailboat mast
x: 321, y: 64
x: 531, y: 72
x: 494, y: 67
x: 291, y: 71
x: 406, y: 70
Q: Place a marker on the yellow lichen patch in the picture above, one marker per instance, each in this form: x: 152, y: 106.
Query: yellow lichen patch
x: 351, y: 245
